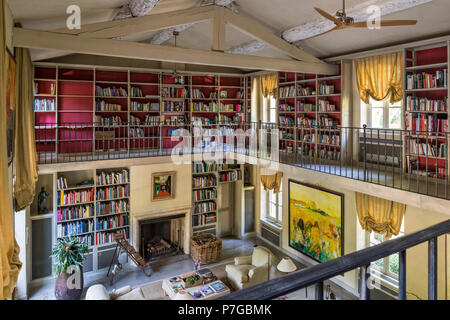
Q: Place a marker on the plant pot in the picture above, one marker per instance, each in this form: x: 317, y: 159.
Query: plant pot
x: 69, y: 286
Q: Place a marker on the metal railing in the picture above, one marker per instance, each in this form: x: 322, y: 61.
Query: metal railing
x: 362, y: 259
x: 409, y: 160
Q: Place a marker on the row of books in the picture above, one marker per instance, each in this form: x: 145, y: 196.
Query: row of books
x: 203, y: 207
x: 305, y: 107
x: 101, y: 105
x: 230, y: 176
x: 61, y: 183
x: 74, y: 197
x: 329, y: 154
x: 426, y: 80
x: 203, y: 121
x: 204, y: 182
x: 325, y: 89
x: 204, y: 166
x: 428, y: 149
x: 424, y: 123
x: 305, y: 91
x: 52, y: 90
x: 112, y: 222
x: 140, y: 106
x: 425, y: 104
x: 107, y: 237
x: 137, y: 133
x: 113, y: 192
x: 110, y: 92
x: 44, y: 105
x: 207, y: 194
x: 416, y: 168
x: 77, y: 212
x: 230, y: 107
x: 173, y: 92
x: 287, y: 92
x: 326, y: 106
x: 112, y: 207
x: 203, y: 219
x: 108, y: 121
x: 284, y: 107
x: 239, y: 117
x: 174, y: 120
x: 174, y: 106
x: 105, y: 178
x: 333, y: 139
x: 286, y: 135
x: 204, y: 107
x: 198, y: 94
x: 74, y: 228
x: 136, y: 92
x: 228, y: 166
x: 286, y: 121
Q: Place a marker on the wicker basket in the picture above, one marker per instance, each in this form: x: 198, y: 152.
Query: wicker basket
x: 206, y: 247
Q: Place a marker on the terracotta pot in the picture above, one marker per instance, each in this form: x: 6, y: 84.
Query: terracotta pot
x: 66, y: 286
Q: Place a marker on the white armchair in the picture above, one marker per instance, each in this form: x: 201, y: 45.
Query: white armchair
x: 248, y: 271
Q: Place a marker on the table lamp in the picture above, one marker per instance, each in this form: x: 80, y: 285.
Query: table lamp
x: 286, y: 265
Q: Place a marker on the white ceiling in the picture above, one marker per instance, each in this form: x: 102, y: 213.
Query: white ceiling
x: 276, y: 15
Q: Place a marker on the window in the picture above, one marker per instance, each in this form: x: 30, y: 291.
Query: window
x: 274, y: 206
x: 381, y: 114
x: 270, y: 109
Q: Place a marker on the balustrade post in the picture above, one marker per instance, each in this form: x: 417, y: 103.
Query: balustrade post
x: 364, y: 275
x: 432, y: 269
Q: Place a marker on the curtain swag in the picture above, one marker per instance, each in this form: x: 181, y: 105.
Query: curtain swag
x: 380, y: 77
x: 379, y: 215
x: 272, y: 182
x: 269, y: 85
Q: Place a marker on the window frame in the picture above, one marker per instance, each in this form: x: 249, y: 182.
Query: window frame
x: 278, y: 203
x: 367, y: 108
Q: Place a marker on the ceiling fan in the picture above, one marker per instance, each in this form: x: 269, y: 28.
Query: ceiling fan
x: 342, y: 21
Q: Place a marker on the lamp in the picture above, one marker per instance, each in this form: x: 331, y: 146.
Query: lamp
x: 286, y: 265
x: 183, y: 295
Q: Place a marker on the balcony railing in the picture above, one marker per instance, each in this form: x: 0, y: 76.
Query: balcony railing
x: 415, y: 161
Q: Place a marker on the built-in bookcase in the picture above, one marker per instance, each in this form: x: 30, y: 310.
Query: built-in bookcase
x: 132, y: 109
x: 206, y: 178
x: 426, y: 110
x: 309, y: 114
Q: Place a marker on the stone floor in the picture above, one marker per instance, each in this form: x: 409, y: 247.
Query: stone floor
x: 175, y: 265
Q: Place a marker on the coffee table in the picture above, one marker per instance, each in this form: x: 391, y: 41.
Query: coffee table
x: 171, y: 288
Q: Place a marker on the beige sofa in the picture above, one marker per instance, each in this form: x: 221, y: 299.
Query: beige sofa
x: 248, y: 271
x: 99, y: 292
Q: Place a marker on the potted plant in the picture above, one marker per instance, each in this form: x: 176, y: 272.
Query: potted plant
x: 69, y: 254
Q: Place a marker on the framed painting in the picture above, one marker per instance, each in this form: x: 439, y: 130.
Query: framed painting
x: 316, y: 221
x: 10, y: 102
x: 163, y: 186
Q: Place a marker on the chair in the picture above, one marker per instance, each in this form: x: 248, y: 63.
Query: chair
x: 99, y: 292
x: 248, y: 271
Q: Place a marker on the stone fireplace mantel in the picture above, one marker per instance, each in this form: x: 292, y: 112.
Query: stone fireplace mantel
x: 156, y: 214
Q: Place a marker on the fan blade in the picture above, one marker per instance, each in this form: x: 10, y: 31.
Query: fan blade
x: 328, y: 16
x: 321, y: 34
x: 384, y: 23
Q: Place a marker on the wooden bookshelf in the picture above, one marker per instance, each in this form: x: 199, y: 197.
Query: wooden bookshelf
x: 426, y: 110
x: 310, y: 114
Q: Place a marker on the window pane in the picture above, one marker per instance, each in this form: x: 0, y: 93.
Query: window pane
x: 377, y: 117
x: 395, y: 120
x: 363, y: 113
x: 394, y: 263
x: 379, y: 263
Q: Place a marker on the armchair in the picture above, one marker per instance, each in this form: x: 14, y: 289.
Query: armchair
x: 248, y: 271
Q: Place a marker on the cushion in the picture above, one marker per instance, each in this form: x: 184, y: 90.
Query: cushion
x: 120, y: 292
x: 97, y: 292
x: 135, y: 294
x: 238, y: 272
x: 261, y: 256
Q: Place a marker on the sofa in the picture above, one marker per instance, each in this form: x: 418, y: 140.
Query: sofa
x: 99, y: 292
x: 248, y: 271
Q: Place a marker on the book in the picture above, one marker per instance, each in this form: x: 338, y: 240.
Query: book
x: 206, y: 291
x: 217, y: 286
x: 196, y: 294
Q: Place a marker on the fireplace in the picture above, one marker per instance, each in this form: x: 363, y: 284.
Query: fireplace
x: 161, y: 236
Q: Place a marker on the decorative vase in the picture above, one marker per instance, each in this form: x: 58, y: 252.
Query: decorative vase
x: 69, y: 286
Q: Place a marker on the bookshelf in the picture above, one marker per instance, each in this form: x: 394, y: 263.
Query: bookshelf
x: 310, y: 114
x: 92, y: 205
x: 206, y: 179
x: 136, y: 108
x: 426, y: 110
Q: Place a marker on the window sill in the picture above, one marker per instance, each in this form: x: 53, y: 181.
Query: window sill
x: 272, y: 223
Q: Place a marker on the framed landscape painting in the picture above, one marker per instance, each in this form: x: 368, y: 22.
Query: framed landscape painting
x: 163, y: 186
x: 315, y: 221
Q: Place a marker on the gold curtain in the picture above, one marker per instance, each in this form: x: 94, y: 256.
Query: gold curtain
x: 379, y: 215
x: 272, y: 181
x: 380, y: 76
x: 9, y: 250
x: 25, y: 151
x: 269, y: 85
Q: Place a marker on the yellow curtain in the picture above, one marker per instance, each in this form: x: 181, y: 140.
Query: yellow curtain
x: 379, y: 215
x: 269, y: 85
x: 380, y: 76
x: 9, y: 250
x: 272, y: 181
x: 25, y: 151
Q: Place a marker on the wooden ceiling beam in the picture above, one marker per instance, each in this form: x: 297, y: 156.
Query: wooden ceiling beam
x: 134, y: 50
x: 124, y: 27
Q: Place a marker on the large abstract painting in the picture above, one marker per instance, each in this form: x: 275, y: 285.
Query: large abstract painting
x: 163, y: 186
x: 315, y: 221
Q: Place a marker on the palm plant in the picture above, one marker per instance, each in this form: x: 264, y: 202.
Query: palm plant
x: 68, y: 252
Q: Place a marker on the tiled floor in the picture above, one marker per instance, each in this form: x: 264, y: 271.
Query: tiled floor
x: 174, y: 265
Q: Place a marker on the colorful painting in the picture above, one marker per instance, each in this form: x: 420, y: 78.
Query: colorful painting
x: 10, y: 102
x: 163, y: 186
x: 315, y: 221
